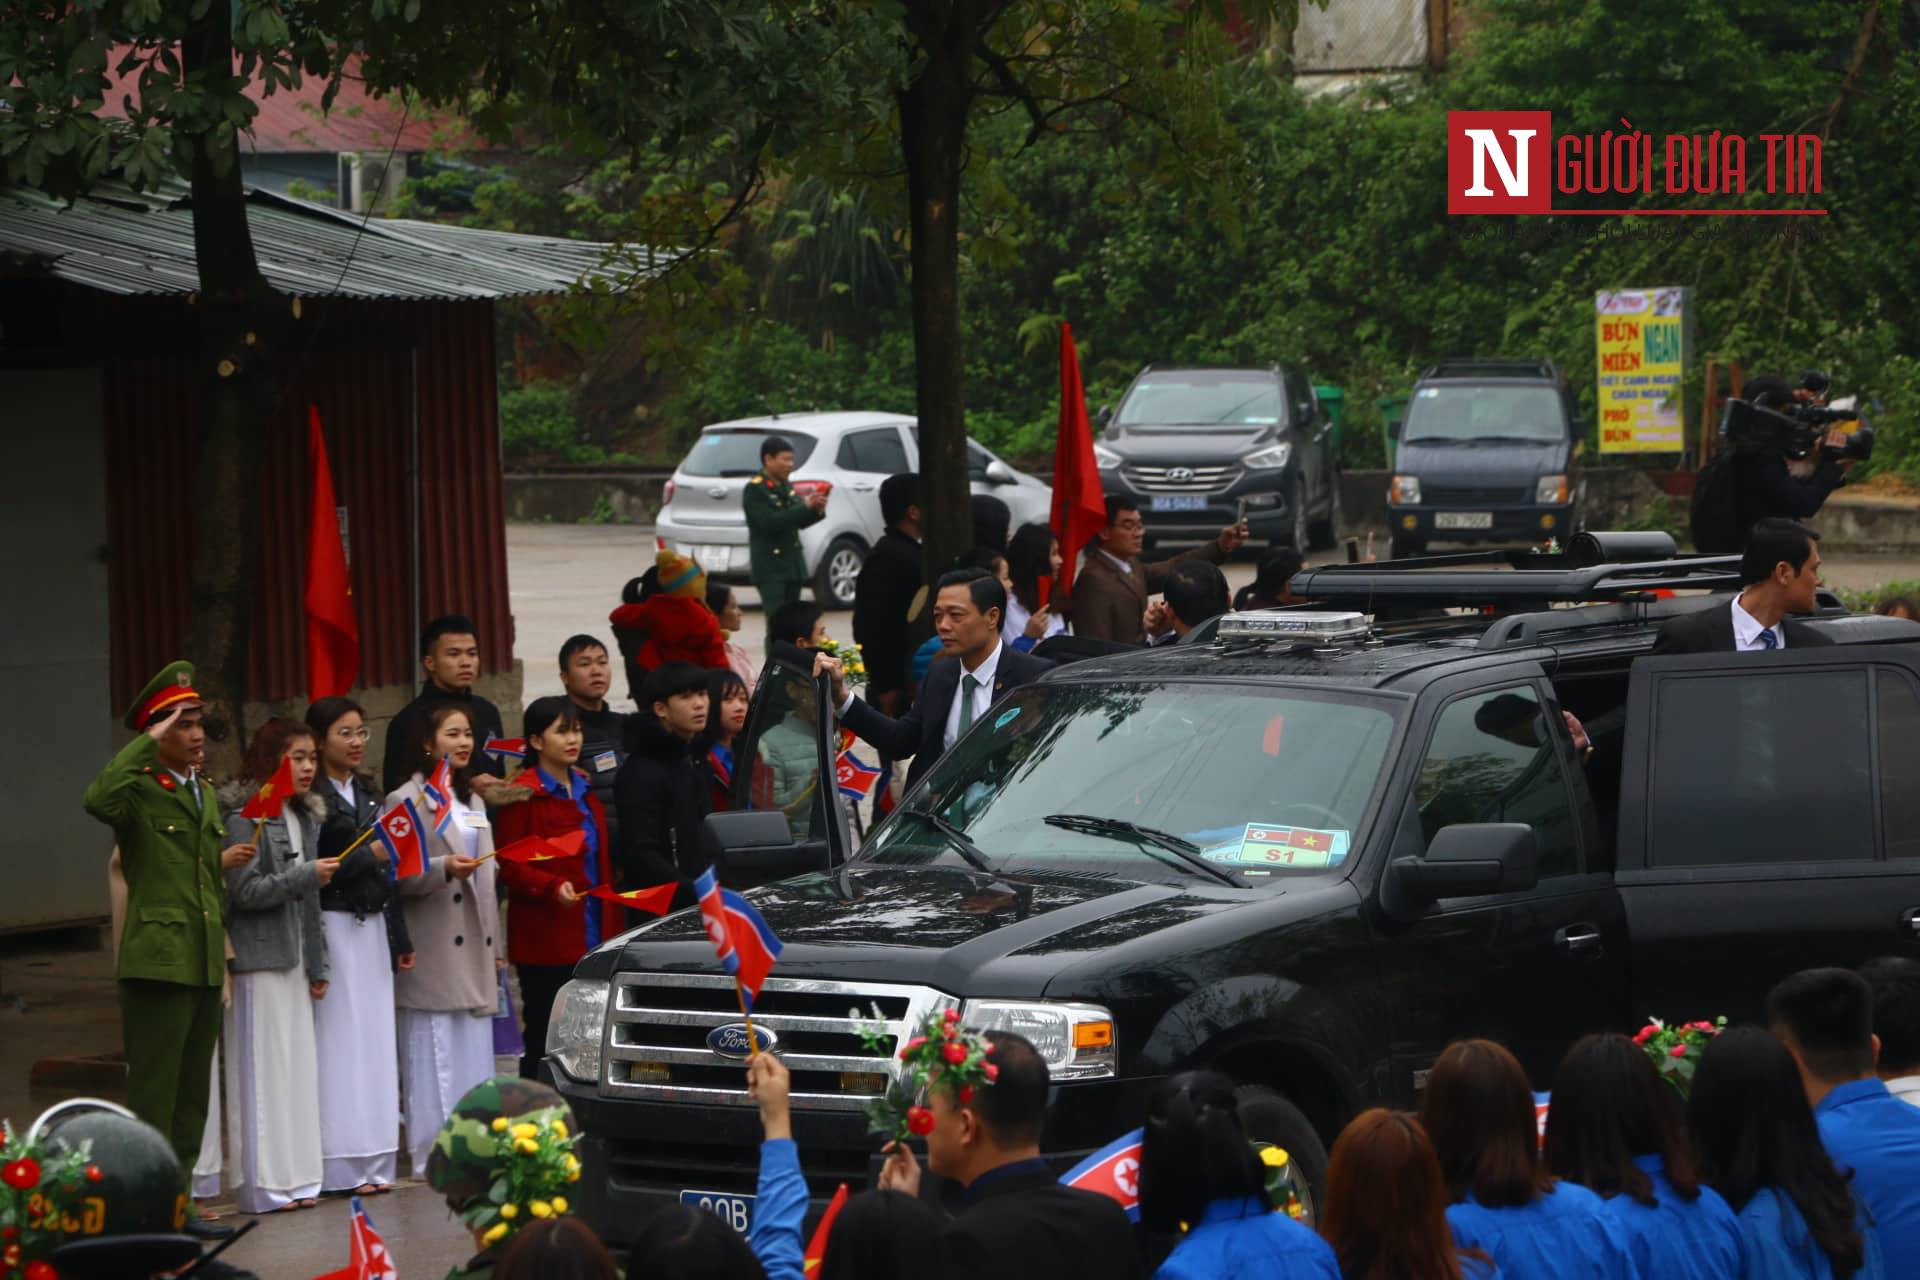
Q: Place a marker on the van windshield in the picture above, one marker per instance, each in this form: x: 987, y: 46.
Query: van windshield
x: 1144, y: 781
x: 737, y: 453
x: 1202, y: 398
x: 1479, y: 412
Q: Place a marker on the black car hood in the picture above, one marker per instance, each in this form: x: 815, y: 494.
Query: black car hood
x: 1483, y: 463
x: 946, y: 926
x: 1188, y: 446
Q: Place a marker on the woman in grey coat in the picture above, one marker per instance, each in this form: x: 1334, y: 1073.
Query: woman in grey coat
x: 279, y: 969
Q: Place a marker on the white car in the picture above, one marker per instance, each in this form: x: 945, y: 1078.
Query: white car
x: 853, y: 451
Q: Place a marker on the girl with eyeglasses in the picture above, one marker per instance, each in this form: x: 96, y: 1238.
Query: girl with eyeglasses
x: 366, y: 934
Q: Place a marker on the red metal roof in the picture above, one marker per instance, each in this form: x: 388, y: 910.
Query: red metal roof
x: 289, y: 120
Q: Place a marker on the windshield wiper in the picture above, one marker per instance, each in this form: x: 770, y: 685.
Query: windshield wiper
x: 1186, y: 850
x: 955, y: 837
x: 1516, y: 439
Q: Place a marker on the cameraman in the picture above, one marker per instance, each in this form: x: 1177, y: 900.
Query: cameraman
x: 1759, y: 478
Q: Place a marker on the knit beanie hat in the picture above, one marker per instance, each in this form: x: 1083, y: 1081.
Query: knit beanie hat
x: 681, y: 576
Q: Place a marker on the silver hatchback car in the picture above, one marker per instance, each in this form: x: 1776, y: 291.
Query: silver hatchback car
x: 852, y: 451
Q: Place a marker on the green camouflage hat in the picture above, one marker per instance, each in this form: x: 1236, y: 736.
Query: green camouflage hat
x: 469, y: 1152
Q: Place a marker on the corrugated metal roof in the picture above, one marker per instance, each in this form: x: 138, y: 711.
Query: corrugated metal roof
x: 123, y: 243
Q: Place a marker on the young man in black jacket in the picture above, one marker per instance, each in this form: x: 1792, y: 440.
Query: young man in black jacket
x: 664, y: 790
x: 450, y: 657
x: 892, y: 576
x: 1016, y: 1219
x: 586, y: 672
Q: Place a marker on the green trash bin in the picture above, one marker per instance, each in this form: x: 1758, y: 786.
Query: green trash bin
x: 1333, y: 400
x: 1393, y: 411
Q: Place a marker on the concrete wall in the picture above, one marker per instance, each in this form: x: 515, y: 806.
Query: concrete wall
x: 632, y: 497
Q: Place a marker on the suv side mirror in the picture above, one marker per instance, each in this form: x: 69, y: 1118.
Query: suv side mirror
x: 1103, y: 417
x: 753, y: 847
x: 998, y: 472
x: 1470, y: 859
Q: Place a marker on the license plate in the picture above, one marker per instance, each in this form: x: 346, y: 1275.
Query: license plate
x: 1180, y: 503
x: 1463, y: 519
x: 735, y: 1211
x: 712, y: 558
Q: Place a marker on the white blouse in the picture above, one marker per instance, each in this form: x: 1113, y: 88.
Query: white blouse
x: 1018, y: 615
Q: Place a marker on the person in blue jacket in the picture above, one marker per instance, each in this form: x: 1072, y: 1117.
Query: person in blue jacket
x: 1478, y: 1109
x: 1758, y: 1147
x: 1198, y: 1173
x: 1825, y: 1017
x: 1614, y: 1128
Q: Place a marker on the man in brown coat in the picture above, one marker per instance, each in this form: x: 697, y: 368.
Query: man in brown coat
x: 1110, y: 591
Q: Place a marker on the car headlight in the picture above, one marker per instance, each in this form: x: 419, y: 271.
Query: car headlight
x: 577, y: 1027
x: 1077, y: 1041
x: 1272, y: 456
x: 1405, y: 489
x: 1105, y: 458
x: 1551, y: 489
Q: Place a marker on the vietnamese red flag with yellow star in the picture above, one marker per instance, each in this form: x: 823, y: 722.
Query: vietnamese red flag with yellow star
x: 273, y: 793
x: 543, y: 848
x: 657, y: 899
x: 1079, y: 502
x: 333, y: 632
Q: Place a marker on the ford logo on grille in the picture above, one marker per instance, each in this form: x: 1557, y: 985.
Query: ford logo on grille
x: 1180, y: 475
x: 730, y: 1041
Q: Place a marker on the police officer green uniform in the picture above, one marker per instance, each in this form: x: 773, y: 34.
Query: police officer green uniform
x: 775, y: 517
x: 173, y: 948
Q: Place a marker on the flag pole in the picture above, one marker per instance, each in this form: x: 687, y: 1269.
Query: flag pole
x: 753, y: 1041
x: 357, y: 842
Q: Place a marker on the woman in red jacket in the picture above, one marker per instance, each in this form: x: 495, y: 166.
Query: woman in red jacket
x: 551, y: 922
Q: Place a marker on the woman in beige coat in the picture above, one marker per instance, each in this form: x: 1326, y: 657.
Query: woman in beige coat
x: 446, y: 1003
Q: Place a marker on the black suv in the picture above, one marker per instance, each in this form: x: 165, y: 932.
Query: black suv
x: 1305, y: 849
x: 1192, y: 445
x: 1485, y: 452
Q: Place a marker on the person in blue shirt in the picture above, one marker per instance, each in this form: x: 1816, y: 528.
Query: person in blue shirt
x: 1825, y: 1017
x: 1478, y: 1109
x: 1385, y: 1211
x: 1614, y: 1128
x: 1757, y: 1146
x: 1198, y: 1173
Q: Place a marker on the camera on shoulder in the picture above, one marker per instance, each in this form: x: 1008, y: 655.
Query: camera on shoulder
x: 1775, y: 421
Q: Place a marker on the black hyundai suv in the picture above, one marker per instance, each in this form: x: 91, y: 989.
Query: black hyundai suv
x: 1197, y: 447
x: 1486, y: 452
x: 1301, y: 847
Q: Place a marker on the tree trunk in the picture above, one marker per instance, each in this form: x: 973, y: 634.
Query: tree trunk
x: 933, y: 129
x: 240, y: 320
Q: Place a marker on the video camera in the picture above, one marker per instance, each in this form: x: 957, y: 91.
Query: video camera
x: 1794, y: 429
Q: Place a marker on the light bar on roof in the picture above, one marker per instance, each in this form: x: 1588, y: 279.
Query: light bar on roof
x: 1292, y: 624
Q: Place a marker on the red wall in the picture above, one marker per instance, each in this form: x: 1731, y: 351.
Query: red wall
x: 366, y: 405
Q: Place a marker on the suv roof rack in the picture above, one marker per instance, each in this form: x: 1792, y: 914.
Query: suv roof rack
x: 1515, y: 579
x: 1493, y: 367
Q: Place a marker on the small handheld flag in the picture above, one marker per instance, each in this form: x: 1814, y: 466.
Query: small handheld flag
x: 505, y: 746
x: 368, y: 1258
x: 657, y: 900
x: 439, y: 787
x: 1113, y: 1171
x: 744, y: 943
x: 543, y: 848
x: 272, y: 795
x: 855, y: 776
x: 399, y: 830
x: 816, y: 1254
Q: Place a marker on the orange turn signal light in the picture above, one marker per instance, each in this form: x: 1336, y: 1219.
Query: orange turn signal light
x: 1092, y: 1035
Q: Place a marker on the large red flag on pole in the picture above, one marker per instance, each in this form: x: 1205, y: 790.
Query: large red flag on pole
x: 1079, y: 505
x: 333, y: 635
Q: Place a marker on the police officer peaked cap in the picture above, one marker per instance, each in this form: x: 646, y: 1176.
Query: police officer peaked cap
x: 173, y: 687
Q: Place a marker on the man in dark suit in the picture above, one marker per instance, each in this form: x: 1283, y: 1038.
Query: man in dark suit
x: 1778, y: 573
x: 1110, y: 591
x: 1017, y: 1220
x: 967, y: 609
x: 884, y: 597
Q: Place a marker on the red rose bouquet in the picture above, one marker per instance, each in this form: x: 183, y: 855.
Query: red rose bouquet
x: 42, y: 1200
x: 1676, y: 1049
x: 942, y: 1050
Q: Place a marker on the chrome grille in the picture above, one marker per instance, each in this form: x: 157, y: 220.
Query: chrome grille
x: 663, y: 1019
x: 1434, y: 494
x: 1180, y: 479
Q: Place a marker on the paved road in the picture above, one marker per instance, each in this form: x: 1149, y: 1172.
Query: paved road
x: 567, y: 578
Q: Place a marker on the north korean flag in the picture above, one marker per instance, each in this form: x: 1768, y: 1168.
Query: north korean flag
x: 855, y: 776
x: 1113, y: 1171
x: 439, y: 793
x: 515, y: 747
x: 744, y: 943
x: 399, y: 830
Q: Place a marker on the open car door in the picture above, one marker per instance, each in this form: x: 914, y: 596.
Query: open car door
x: 783, y: 817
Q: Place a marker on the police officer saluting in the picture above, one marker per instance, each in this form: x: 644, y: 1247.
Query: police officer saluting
x: 775, y: 517
x: 173, y: 949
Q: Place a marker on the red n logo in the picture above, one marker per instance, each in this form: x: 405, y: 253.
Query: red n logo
x: 1498, y: 162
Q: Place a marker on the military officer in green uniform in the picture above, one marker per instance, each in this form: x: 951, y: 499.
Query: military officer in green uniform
x: 775, y: 517
x: 173, y: 948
